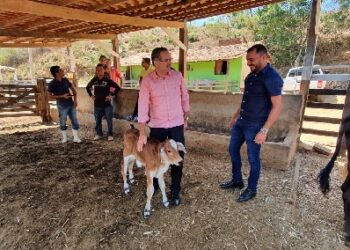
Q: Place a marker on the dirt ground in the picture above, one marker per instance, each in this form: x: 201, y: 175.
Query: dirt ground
x: 55, y: 196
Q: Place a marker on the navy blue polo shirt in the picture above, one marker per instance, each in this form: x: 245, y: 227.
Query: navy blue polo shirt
x: 258, y: 89
x: 60, y: 88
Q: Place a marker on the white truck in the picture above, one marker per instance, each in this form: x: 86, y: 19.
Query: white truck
x: 291, y: 84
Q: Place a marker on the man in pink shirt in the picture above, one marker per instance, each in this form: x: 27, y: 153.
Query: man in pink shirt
x: 164, y: 104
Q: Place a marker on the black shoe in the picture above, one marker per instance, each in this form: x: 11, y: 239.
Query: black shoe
x: 231, y: 184
x: 175, y: 201
x: 246, y: 195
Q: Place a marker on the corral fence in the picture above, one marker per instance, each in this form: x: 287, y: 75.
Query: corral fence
x: 338, y: 85
x: 198, y: 85
x: 24, y: 98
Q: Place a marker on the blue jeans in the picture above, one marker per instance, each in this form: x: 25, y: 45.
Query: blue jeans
x: 244, y: 131
x: 70, y: 111
x: 108, y: 113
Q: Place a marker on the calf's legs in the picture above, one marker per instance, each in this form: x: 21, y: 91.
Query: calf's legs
x: 150, y: 191
x: 162, y: 188
x: 127, y: 164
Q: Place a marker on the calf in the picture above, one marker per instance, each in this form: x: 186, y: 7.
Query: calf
x: 324, y: 175
x: 156, y: 157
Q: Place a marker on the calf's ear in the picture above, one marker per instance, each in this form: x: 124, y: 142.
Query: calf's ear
x: 173, y: 144
x: 181, y: 147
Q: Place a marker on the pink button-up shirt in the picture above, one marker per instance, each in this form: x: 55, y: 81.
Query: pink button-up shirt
x: 163, y: 101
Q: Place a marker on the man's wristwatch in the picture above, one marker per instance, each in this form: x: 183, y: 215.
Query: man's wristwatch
x: 264, y: 130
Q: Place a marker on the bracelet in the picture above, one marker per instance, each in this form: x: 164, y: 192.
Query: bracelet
x: 264, y: 130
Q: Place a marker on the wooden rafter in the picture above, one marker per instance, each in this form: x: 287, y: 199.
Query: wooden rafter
x: 65, y: 2
x: 93, y: 8
x: 223, y: 9
x: 105, y: 5
x: 15, y: 20
x: 14, y: 33
x: 174, y: 8
x: 49, y: 10
x: 147, y: 5
x: 173, y: 37
x: 26, y: 16
x: 75, y: 17
x: 32, y: 45
x: 201, y: 9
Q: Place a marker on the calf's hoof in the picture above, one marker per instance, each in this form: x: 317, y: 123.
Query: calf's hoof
x: 166, y: 204
x: 126, y: 190
x: 146, y: 213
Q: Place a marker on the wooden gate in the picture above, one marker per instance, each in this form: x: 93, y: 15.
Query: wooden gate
x: 329, y: 106
x: 19, y: 99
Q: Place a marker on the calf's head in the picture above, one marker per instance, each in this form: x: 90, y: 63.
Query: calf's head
x: 169, y: 152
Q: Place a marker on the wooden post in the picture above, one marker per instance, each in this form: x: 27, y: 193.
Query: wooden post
x: 115, y: 47
x: 310, y: 55
x: 183, y: 53
x: 71, y: 65
x: 71, y: 59
x: 346, y: 112
x: 31, y: 64
x: 43, y: 101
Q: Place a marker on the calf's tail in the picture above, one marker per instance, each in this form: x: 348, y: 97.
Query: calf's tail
x: 323, y: 176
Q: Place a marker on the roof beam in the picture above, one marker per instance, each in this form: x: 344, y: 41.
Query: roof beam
x: 21, y: 18
x: 173, y: 37
x: 18, y: 33
x: 55, y: 20
x: 108, y: 48
x: 50, y: 10
x: 33, y: 45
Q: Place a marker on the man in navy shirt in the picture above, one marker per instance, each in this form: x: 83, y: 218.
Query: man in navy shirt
x: 260, y: 107
x: 62, y: 90
x: 104, y: 89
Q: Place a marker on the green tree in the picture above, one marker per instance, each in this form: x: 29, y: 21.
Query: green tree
x: 283, y: 28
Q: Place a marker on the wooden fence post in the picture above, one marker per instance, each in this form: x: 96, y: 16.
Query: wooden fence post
x: 43, y: 101
x: 346, y: 112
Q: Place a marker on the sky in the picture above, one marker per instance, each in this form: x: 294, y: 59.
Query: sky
x: 327, y: 5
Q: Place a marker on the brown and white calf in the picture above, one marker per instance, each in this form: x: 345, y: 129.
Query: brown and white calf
x: 156, y: 157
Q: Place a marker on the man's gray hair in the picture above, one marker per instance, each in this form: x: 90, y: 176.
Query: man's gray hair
x: 156, y: 53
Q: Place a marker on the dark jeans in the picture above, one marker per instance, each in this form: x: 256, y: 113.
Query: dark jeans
x: 136, y: 108
x: 244, y: 131
x: 70, y: 111
x: 108, y: 113
x: 177, y: 134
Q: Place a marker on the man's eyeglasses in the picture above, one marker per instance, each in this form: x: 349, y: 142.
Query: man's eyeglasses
x: 165, y: 60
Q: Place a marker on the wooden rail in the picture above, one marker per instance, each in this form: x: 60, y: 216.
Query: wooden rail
x: 319, y: 132
x: 322, y: 105
x: 20, y: 99
x: 327, y: 91
x: 322, y: 119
